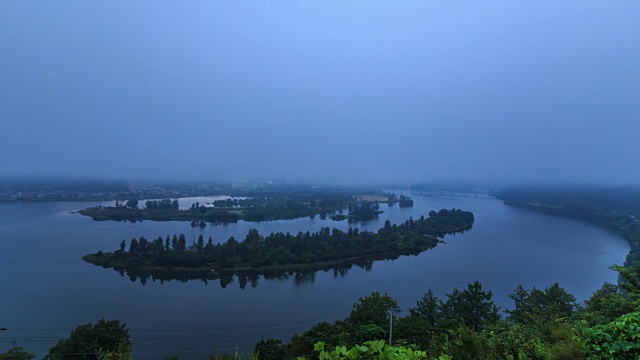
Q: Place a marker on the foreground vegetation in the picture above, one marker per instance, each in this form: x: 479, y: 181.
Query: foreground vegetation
x: 543, y: 325
x: 280, y: 251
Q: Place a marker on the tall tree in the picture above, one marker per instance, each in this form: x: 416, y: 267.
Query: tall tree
x: 536, y: 305
x: 370, y: 316
x: 182, y: 243
x: 200, y: 243
x: 86, y: 340
x: 270, y: 349
x: 133, y: 246
x: 428, y: 308
x: 472, y: 306
x: 522, y: 311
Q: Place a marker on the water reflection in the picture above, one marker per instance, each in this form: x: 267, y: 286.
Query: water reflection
x: 247, y: 278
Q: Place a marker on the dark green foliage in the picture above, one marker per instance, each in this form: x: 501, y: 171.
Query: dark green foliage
x: 606, y: 304
x: 465, y: 326
x: 428, y: 324
x: 370, y: 316
x: 86, y: 339
x: 270, y: 349
x: 610, y: 327
x: 532, y: 306
x: 467, y: 344
x: 122, y: 353
x: 619, y: 339
x: 414, y: 330
x: 132, y: 204
x: 336, y: 333
x: 516, y: 342
x: 472, y: 307
x: 257, y: 206
x: 369, y: 350
x: 161, y: 204
x: 630, y: 277
x: 16, y: 353
x: 213, y: 356
x: 363, y: 211
x: 279, y: 250
x: 428, y: 308
x: 423, y: 322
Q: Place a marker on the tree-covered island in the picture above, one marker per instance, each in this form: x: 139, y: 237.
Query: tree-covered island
x: 362, y: 211
x: 251, y: 206
x: 280, y: 251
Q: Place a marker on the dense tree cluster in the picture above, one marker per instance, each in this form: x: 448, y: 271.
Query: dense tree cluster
x: 534, y: 304
x: 282, y: 249
x: 544, y: 324
x: 363, y: 211
x: 132, y: 203
x: 86, y: 340
x: 472, y: 308
x: 161, y: 204
x: 256, y: 206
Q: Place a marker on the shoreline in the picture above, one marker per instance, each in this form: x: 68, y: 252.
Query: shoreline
x: 316, y: 266
x: 415, y: 243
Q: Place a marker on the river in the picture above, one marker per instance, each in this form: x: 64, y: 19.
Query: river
x: 47, y: 289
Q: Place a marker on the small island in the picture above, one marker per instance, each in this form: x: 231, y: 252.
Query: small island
x: 281, y: 251
x: 260, y: 207
x: 253, y: 206
x: 362, y: 211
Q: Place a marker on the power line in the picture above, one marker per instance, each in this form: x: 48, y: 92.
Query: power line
x: 217, y: 350
x: 156, y: 338
x: 43, y: 339
x: 236, y: 348
x: 189, y: 337
x: 144, y: 352
x: 192, y: 329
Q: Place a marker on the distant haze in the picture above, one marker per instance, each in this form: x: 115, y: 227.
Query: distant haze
x: 343, y: 91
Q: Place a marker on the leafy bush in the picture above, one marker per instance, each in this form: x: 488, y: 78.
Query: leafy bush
x: 370, y: 350
x: 619, y: 339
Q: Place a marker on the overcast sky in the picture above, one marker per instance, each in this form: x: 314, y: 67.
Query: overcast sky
x: 358, y: 91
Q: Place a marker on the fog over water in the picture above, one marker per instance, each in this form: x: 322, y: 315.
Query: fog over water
x: 358, y: 91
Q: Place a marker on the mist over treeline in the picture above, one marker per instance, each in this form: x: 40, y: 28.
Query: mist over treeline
x: 87, y: 184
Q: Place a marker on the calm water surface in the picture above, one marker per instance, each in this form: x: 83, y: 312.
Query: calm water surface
x: 45, y: 285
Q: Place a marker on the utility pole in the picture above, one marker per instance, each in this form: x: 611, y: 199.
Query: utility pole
x: 390, y: 326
